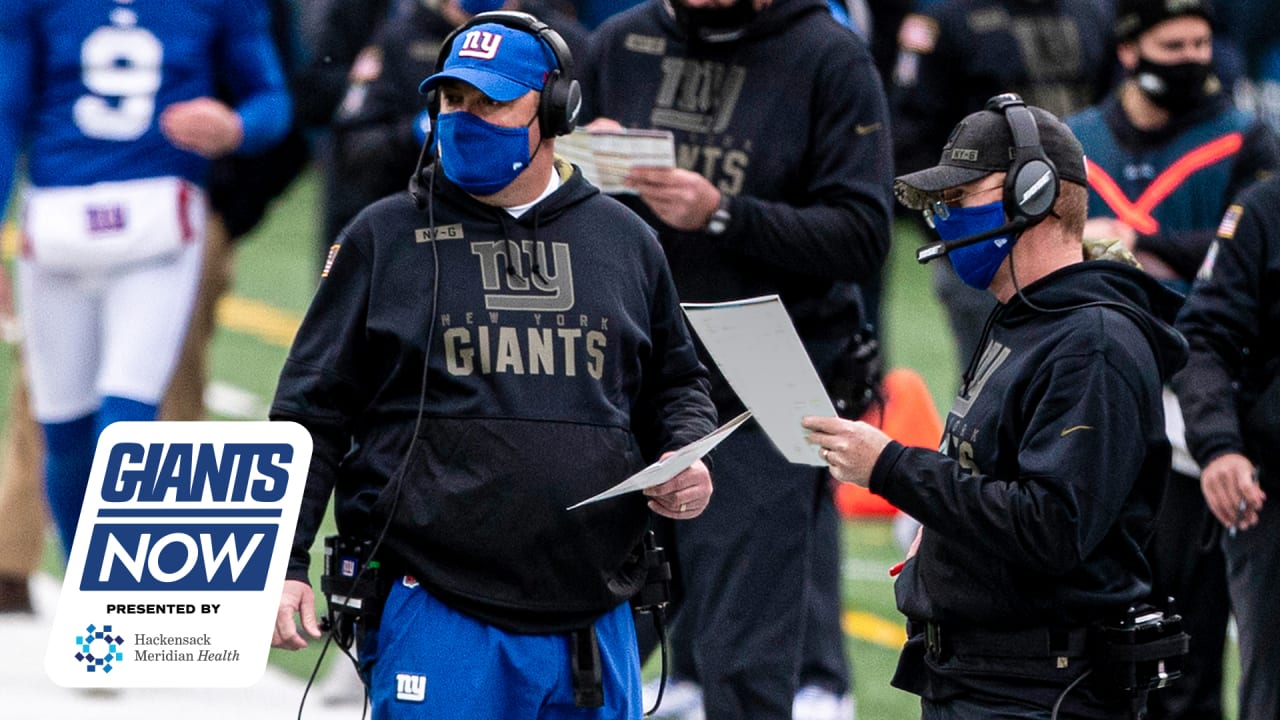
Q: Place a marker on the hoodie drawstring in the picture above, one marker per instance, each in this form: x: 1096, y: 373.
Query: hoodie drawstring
x: 514, y: 253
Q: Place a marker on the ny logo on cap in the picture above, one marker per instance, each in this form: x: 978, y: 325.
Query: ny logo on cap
x: 480, y: 44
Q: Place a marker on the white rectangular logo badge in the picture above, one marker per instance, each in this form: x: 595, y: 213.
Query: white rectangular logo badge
x: 411, y: 688
x: 179, y: 557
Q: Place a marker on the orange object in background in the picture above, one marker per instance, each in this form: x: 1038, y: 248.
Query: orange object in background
x: 911, y: 418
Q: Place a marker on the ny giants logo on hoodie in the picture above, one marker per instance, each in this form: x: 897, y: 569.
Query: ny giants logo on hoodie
x: 523, y: 275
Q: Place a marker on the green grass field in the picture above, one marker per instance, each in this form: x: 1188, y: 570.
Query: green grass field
x: 277, y: 270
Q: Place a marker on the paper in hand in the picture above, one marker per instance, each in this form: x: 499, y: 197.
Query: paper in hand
x: 606, y: 156
x: 670, y: 466
x: 756, y: 347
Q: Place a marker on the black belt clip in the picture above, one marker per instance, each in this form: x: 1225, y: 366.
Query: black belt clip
x: 588, y: 678
x: 933, y: 640
x: 1060, y: 644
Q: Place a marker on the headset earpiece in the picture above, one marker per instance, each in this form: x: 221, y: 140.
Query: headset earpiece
x: 561, y: 101
x: 1031, y: 183
x: 559, y: 107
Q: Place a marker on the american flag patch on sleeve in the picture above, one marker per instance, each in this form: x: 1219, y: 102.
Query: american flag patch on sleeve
x: 1227, y: 228
x: 328, y: 262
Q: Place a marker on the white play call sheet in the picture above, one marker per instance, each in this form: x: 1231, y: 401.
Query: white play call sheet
x: 755, y: 345
x: 606, y: 156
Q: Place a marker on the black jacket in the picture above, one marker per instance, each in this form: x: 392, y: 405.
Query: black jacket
x: 790, y: 122
x: 1052, y: 462
x: 558, y: 363
x: 1232, y: 323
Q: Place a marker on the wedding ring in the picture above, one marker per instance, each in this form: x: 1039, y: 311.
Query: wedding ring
x: 826, y: 455
x: 682, y: 506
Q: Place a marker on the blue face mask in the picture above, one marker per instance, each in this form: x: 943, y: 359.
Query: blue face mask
x: 975, y: 264
x: 480, y: 157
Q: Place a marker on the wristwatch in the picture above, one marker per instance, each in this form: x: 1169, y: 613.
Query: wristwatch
x: 719, y: 221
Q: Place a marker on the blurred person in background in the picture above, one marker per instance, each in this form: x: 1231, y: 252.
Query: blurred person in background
x: 1167, y: 151
x: 1230, y: 395
x: 240, y: 191
x: 112, y: 106
x: 793, y: 202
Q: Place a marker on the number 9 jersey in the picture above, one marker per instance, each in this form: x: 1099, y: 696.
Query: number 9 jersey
x: 85, y: 82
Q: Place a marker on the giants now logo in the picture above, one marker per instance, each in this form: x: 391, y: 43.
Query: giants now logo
x: 184, y: 533
x: 152, y: 493
x: 480, y: 44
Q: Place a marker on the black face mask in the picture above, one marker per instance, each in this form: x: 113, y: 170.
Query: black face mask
x: 1176, y: 88
x: 708, y: 22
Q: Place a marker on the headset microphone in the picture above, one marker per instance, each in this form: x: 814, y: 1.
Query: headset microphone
x: 1030, y: 184
x: 415, y: 180
x: 933, y: 251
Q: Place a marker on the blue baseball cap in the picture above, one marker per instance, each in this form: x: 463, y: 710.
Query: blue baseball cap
x: 502, y: 62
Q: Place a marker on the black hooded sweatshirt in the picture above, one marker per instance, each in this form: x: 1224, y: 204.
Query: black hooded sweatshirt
x: 1052, y: 463
x: 789, y: 121
x: 558, y: 363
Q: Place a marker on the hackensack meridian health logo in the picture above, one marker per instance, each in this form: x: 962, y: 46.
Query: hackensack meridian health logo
x: 179, y: 556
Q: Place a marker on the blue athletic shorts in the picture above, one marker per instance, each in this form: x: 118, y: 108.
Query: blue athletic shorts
x: 428, y: 661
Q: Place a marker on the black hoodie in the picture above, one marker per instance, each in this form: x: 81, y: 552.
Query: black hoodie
x: 1052, y: 461
x: 789, y: 121
x: 559, y: 363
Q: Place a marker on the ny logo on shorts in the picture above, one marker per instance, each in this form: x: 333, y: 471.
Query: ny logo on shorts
x: 411, y: 688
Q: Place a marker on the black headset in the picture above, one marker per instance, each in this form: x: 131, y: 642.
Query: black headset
x: 1031, y: 184
x: 561, y: 100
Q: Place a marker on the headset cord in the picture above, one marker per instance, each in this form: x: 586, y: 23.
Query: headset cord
x: 398, y: 476
x: 976, y: 357
x: 1017, y: 289
x: 659, y: 624
x: 1069, y: 688
x: 316, y: 670
x: 1136, y: 711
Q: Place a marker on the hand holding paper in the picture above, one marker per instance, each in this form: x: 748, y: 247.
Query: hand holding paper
x: 684, y: 496
x: 683, y: 501
x: 606, y: 157
x: 755, y: 345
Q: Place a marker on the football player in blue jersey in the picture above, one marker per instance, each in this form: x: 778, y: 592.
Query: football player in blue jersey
x: 111, y: 104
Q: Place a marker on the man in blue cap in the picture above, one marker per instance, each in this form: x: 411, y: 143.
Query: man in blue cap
x: 378, y: 124
x: 455, y: 421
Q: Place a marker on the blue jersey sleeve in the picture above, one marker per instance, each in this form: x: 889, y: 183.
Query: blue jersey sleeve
x: 17, y: 47
x: 255, y: 75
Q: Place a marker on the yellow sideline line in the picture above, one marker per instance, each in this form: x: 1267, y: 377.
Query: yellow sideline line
x: 265, y: 322
x: 874, y: 629
x: 8, y: 239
